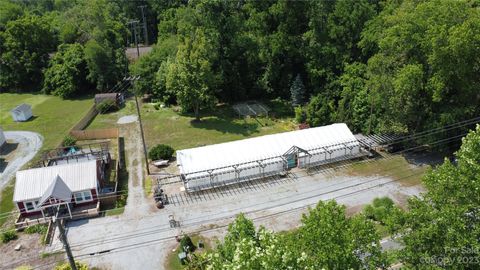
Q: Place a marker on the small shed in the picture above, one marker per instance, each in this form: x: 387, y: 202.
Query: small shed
x: 117, y: 97
x: 2, y: 138
x: 22, y: 113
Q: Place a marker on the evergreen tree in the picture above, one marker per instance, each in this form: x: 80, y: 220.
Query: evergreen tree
x: 297, y: 91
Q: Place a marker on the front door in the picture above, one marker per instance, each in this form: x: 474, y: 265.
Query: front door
x: 292, y: 161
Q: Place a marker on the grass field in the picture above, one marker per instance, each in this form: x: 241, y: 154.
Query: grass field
x: 396, y: 167
x: 221, y: 125
x: 52, y: 116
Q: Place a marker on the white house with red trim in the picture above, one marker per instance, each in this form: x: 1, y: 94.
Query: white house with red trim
x: 44, y: 191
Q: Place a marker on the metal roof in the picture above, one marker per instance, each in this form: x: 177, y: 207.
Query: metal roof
x: 22, y: 107
x: 254, y: 149
x: 58, y: 190
x: 32, y: 184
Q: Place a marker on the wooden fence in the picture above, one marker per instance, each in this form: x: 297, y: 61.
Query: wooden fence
x: 86, y: 119
x: 94, y: 134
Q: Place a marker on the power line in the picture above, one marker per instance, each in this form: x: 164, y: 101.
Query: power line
x: 145, y: 243
x: 122, y: 236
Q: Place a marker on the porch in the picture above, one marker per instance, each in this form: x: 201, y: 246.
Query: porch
x: 77, y: 212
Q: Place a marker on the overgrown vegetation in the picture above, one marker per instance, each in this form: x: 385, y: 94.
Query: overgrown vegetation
x: 66, y: 266
x: 9, y: 235
x: 107, y: 106
x: 39, y: 228
x: 69, y: 141
x: 161, y: 151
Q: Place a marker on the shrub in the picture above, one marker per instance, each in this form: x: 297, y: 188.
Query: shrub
x: 69, y: 141
x: 40, y: 229
x: 8, y: 236
x: 66, y: 266
x: 380, y: 210
x: 161, y: 151
x: 186, y: 244
x: 300, y: 115
x: 107, y: 106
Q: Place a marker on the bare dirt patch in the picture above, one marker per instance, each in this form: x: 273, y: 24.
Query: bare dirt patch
x: 30, y: 253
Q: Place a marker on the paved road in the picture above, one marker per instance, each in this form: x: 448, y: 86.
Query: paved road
x: 28, y: 145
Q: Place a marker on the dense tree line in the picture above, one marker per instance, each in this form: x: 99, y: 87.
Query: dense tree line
x: 399, y: 66
x: 65, y: 48
x: 440, y: 229
x: 379, y: 66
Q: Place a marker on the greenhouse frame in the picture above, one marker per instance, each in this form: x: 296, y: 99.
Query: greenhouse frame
x: 244, y: 160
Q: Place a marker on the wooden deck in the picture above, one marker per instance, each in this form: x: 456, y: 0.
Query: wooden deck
x: 80, y: 212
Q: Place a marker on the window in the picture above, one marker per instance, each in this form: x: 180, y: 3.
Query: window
x: 31, y: 206
x: 83, y: 196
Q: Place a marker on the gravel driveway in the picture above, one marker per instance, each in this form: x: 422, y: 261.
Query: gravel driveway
x: 28, y: 145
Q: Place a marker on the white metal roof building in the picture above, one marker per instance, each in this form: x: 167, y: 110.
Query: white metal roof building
x: 228, y: 163
x: 22, y: 112
x: 34, y: 183
x: 2, y: 138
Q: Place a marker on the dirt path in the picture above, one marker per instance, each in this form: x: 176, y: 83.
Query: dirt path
x: 21, y: 147
x: 137, y: 203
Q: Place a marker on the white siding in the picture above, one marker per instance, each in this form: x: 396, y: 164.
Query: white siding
x: 220, y: 159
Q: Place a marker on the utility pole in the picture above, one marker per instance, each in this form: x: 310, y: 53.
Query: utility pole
x: 144, y: 20
x: 64, y: 240
x: 134, y: 24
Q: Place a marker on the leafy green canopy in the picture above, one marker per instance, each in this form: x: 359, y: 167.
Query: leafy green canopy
x: 327, y: 239
x: 66, y: 75
x: 443, y: 227
x: 24, y: 48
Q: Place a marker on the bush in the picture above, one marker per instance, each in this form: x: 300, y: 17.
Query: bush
x: 300, y: 115
x: 380, y: 210
x: 8, y: 236
x: 161, y: 151
x: 107, y: 106
x: 186, y: 244
x: 66, y: 266
x: 40, y: 229
x: 69, y: 141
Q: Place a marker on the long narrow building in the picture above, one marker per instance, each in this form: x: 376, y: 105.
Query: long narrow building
x: 243, y: 160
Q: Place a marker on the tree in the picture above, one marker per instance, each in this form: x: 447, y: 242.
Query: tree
x: 191, y: 76
x: 331, y: 240
x: 297, y: 91
x: 443, y: 226
x: 319, y: 111
x: 422, y: 75
x: 66, y: 75
x: 100, y: 27
x: 26, y: 43
x: 243, y: 248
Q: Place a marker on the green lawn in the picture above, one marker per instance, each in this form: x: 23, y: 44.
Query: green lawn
x: 172, y: 261
x: 396, y: 167
x: 53, y: 116
x: 167, y: 126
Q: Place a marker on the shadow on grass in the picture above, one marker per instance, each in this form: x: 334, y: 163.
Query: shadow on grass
x: 227, y: 126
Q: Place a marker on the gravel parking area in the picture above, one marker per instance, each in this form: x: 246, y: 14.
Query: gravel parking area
x: 21, y: 147
x: 142, y: 241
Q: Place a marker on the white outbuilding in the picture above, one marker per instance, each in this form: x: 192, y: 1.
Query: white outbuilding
x: 22, y: 113
x: 2, y: 138
x: 228, y: 163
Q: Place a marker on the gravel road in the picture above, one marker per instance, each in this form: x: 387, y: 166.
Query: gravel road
x: 28, y: 145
